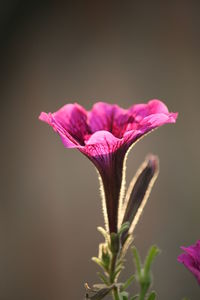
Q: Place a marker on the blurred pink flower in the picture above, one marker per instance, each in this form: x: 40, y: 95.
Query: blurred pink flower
x: 191, y: 259
x: 104, y: 134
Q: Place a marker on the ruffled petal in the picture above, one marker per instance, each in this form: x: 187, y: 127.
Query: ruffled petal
x: 107, y: 127
x: 73, y: 119
x: 67, y: 139
x: 152, y: 107
x: 147, y: 124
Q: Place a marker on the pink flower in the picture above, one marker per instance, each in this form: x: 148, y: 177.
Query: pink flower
x: 191, y: 259
x: 104, y: 134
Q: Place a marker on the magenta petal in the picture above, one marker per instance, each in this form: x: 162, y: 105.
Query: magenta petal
x: 100, y: 117
x: 103, y: 142
x: 67, y: 139
x: 191, y: 259
x: 153, y: 121
x: 152, y: 107
x: 73, y: 119
x: 107, y: 126
x: 109, y: 117
x: 44, y: 117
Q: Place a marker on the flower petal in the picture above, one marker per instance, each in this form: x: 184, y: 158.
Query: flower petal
x: 100, y: 117
x: 152, y: 107
x: 191, y: 259
x: 73, y: 119
x: 109, y: 117
x: 190, y: 264
x: 67, y: 139
x: 102, y: 142
x: 146, y: 125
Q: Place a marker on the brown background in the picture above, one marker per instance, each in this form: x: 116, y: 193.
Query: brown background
x: 55, y: 52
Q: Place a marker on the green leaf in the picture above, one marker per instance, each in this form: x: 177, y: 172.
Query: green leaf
x: 99, y: 262
x: 125, y: 246
x: 103, y: 232
x: 128, y: 282
x: 119, y: 266
x: 104, y: 256
x: 153, y: 252
x: 137, y: 261
x: 120, y: 262
x: 124, y: 228
x: 103, y: 278
x: 152, y: 296
x: 117, y: 271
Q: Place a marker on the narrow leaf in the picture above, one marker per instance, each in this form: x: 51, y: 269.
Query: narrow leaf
x: 125, y: 226
x: 98, y: 262
x: 118, y: 271
x: 128, y: 282
x: 137, y: 260
x: 103, y: 278
x: 103, y: 232
x: 153, y: 252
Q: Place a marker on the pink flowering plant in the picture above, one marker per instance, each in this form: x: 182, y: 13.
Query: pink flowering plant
x: 105, y: 134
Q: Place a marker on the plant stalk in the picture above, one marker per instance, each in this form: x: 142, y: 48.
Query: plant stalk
x: 142, y: 294
x: 115, y: 292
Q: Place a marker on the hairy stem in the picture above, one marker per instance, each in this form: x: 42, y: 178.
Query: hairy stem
x: 112, y: 268
x: 112, y: 276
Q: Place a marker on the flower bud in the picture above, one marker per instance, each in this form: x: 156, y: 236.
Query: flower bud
x: 138, y: 192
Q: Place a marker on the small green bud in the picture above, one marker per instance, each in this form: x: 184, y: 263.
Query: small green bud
x: 123, y: 295
x: 152, y: 296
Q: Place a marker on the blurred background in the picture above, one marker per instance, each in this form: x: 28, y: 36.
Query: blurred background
x: 124, y: 52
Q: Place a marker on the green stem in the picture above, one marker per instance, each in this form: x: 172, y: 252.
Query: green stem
x: 115, y: 294
x: 112, y: 268
x: 142, y: 294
